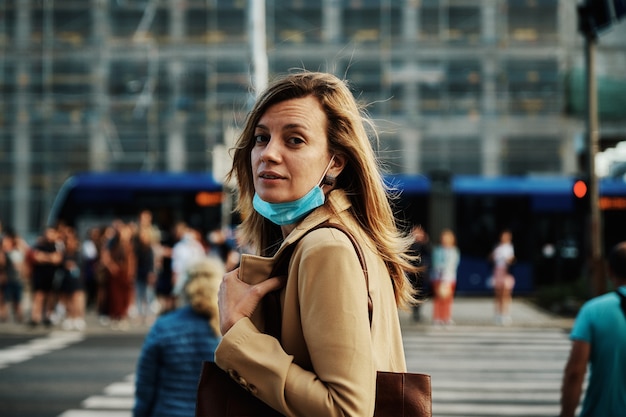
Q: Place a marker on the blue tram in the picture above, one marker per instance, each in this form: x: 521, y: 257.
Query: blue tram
x: 95, y: 198
x: 549, y: 223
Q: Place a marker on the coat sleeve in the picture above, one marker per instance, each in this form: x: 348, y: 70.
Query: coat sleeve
x: 341, y: 378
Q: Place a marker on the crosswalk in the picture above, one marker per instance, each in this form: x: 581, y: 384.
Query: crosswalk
x: 488, y: 372
x: 38, y: 346
x: 116, y: 400
x: 476, y: 371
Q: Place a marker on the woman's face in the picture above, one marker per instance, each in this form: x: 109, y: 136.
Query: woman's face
x: 291, y: 150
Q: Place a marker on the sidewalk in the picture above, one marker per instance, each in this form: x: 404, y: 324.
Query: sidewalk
x: 466, y: 311
x: 479, y: 311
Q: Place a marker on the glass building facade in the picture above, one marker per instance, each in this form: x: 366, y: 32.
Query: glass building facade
x: 470, y: 86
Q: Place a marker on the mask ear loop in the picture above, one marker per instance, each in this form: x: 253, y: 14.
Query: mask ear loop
x: 329, y: 180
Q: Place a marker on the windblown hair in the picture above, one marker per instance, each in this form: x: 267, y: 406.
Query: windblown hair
x: 201, y: 289
x: 361, y: 178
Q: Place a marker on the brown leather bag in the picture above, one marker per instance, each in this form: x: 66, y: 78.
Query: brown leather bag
x: 398, y: 394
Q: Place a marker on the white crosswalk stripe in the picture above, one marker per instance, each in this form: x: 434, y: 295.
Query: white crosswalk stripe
x: 117, y: 401
x: 53, y: 341
x: 478, y: 371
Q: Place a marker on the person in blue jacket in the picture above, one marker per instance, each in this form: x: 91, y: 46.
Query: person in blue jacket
x: 169, y: 366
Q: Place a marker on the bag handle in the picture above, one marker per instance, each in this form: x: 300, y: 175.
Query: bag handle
x: 271, y: 302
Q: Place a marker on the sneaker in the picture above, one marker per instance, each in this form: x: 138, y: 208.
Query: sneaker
x: 67, y: 324
x: 80, y: 325
x: 124, y: 325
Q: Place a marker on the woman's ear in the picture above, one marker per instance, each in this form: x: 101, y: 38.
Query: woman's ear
x: 334, y: 169
x: 339, y: 163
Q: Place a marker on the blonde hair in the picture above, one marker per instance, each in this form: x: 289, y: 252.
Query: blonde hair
x: 204, y: 279
x: 361, y: 179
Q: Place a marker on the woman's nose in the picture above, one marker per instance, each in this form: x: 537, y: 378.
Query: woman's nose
x: 271, y: 151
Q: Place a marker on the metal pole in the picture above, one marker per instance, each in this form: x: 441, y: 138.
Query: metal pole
x: 595, y: 241
x: 258, y: 44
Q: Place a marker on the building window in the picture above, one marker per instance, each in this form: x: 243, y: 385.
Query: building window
x: 463, y: 24
x: 125, y: 23
x: 366, y: 81
x: 361, y: 25
x: 464, y: 87
x: 530, y: 87
x: 72, y: 28
x: 429, y: 20
x: 530, y: 21
x: 521, y: 155
x: 296, y: 23
x: 460, y: 155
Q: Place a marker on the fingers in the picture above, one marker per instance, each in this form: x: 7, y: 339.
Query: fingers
x: 269, y: 285
x: 237, y: 299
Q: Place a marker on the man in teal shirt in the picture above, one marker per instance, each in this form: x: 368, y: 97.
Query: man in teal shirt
x: 599, y: 340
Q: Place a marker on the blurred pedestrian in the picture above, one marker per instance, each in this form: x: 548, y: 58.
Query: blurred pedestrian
x: 90, y: 256
x: 108, y: 234
x: 72, y: 288
x: 186, y: 252
x: 145, y: 277
x: 422, y: 250
x: 171, y: 358
x: 503, y: 257
x: 224, y: 248
x: 165, y: 275
x: 46, y: 257
x: 599, y: 343
x: 118, y: 258
x: 444, y: 264
x: 12, y: 272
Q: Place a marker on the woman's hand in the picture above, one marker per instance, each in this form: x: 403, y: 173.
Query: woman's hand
x: 237, y: 300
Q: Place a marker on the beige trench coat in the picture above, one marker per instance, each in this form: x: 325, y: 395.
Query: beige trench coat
x: 326, y: 361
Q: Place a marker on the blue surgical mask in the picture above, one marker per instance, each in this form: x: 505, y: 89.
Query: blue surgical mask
x: 291, y: 211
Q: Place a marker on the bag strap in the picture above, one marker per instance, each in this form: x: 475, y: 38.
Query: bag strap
x: 271, y: 302
x: 622, y: 301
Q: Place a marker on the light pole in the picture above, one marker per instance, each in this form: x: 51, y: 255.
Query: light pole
x: 595, y: 16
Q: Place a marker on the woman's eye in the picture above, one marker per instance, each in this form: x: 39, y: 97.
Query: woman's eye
x: 295, y: 140
x: 260, y: 139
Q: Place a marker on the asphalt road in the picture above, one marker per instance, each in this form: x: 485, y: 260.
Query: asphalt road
x: 477, y: 368
x: 55, y: 372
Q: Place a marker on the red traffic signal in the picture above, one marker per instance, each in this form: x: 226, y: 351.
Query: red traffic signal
x: 580, y: 188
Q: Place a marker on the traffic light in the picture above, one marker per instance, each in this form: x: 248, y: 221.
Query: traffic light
x: 580, y: 188
x: 620, y: 9
x: 580, y: 195
x: 595, y: 16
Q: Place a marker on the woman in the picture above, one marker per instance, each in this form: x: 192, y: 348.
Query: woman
x: 171, y: 358
x: 503, y: 256
x: 119, y: 260
x: 304, y: 158
x: 445, y: 262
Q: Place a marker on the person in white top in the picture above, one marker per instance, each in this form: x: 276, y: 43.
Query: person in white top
x: 186, y: 252
x: 503, y: 256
